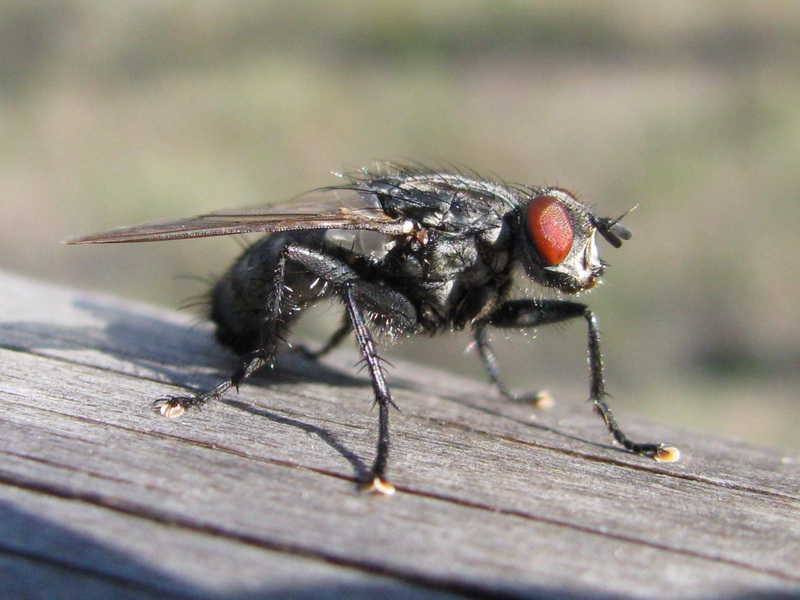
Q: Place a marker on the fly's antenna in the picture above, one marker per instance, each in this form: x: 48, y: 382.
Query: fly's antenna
x: 611, y: 230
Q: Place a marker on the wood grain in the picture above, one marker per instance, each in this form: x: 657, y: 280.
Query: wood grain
x: 255, y: 496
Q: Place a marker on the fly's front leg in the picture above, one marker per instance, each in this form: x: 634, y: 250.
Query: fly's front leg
x: 532, y: 313
x: 521, y: 314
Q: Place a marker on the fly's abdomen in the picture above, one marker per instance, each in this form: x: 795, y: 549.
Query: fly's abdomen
x: 238, y: 305
x: 240, y: 300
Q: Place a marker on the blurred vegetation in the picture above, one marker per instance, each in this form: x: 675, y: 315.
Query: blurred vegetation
x: 113, y: 113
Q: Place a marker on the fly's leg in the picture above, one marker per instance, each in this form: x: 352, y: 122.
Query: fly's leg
x: 388, y: 309
x: 377, y: 481
x: 540, y: 399
x: 532, y: 313
x: 338, y: 336
x: 174, y: 406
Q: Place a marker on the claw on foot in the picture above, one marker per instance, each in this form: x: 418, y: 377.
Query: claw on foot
x: 169, y: 407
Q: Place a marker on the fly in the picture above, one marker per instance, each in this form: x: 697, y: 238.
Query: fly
x: 407, y: 250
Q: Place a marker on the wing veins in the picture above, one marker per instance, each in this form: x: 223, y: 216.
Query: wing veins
x: 338, y: 208
x: 221, y: 224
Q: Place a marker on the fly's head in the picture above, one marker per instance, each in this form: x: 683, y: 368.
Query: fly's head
x: 558, y: 241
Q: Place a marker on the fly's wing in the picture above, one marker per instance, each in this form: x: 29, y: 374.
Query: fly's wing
x: 330, y: 208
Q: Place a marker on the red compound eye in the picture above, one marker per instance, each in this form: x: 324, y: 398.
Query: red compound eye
x: 550, y: 229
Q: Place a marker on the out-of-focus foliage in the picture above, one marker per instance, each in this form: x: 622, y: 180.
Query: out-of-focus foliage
x: 112, y: 113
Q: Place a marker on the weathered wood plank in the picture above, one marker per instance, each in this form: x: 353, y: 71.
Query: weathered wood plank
x: 256, y: 495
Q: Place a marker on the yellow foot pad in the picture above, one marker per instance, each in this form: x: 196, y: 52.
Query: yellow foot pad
x: 542, y: 399
x: 667, y: 454
x: 170, y: 408
x: 378, y: 486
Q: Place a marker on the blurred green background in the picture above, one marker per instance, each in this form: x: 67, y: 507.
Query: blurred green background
x: 117, y: 112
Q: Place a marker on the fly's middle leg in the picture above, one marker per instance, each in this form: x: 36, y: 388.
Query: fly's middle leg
x: 389, y: 310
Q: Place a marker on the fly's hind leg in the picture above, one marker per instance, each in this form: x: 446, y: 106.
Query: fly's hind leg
x: 174, y: 406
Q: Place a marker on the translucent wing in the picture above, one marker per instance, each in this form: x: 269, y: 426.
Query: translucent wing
x: 330, y: 208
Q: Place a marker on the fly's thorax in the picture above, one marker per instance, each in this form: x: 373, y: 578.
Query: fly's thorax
x: 444, y: 201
